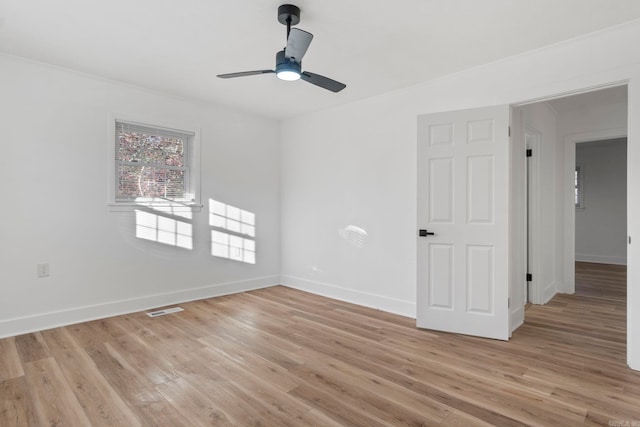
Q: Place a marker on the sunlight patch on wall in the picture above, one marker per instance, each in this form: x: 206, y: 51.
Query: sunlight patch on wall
x: 162, y: 229
x: 170, y: 207
x: 231, y: 218
x: 354, y: 235
x: 237, y: 248
x: 232, y: 225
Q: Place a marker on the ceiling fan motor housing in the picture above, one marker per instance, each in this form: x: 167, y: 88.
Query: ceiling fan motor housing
x: 284, y: 64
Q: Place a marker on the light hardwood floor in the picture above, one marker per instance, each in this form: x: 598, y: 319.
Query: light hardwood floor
x: 280, y: 357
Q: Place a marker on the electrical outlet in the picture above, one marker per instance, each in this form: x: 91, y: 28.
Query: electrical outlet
x: 43, y: 270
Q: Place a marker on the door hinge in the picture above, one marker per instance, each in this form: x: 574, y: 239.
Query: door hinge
x: 529, y: 277
x: 508, y: 302
x: 529, y: 152
x: 509, y: 130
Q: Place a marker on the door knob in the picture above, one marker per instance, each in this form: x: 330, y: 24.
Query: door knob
x: 425, y: 233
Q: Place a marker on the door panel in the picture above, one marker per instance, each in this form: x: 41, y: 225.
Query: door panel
x: 441, y: 296
x: 463, y: 183
x: 480, y: 190
x: 441, y: 191
x: 480, y: 279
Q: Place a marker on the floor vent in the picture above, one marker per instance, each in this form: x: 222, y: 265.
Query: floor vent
x: 165, y: 311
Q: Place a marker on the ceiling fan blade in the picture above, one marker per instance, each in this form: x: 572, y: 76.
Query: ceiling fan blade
x: 322, y: 81
x: 297, y: 44
x: 244, y: 73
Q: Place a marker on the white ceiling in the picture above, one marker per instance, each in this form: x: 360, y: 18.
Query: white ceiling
x: 178, y: 46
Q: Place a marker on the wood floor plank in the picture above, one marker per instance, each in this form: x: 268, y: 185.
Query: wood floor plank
x: 258, y: 390
x: 54, y: 402
x: 144, y: 359
x: 253, y: 363
x: 277, y: 351
x: 15, y: 407
x: 193, y: 405
x: 314, y: 418
x: 213, y: 382
x: 135, y: 389
x: 166, y: 339
x: 282, y: 357
x: 372, y: 395
x: 31, y: 347
x: 395, y: 370
x: 334, y: 407
x: 615, y: 405
x: 247, y: 397
x: 460, y: 419
x: 97, y: 332
x: 10, y: 364
x: 100, y: 402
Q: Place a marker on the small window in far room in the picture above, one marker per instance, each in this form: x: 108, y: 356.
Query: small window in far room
x: 154, y: 166
x: 579, y: 187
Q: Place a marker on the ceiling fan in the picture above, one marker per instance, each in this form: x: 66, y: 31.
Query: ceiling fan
x: 289, y: 60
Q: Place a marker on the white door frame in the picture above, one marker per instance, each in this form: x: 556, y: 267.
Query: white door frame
x: 532, y: 139
x: 570, y: 141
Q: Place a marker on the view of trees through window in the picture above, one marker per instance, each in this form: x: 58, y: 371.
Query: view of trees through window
x: 150, y: 164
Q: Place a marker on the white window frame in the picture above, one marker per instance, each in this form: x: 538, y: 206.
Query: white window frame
x: 192, y: 158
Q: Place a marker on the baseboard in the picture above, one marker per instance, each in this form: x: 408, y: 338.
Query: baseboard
x: 517, y: 318
x: 39, y: 322
x: 600, y: 259
x: 549, y: 292
x: 379, y: 302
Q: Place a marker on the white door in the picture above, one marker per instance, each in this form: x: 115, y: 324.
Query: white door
x: 463, y: 198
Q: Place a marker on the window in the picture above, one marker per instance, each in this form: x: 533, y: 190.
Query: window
x: 154, y: 166
x: 579, y: 187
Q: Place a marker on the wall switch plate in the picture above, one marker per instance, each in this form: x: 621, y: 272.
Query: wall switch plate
x: 43, y: 270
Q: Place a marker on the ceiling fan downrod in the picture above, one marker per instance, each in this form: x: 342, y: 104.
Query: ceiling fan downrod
x: 288, y: 15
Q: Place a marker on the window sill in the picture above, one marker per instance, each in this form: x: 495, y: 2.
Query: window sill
x: 163, y: 207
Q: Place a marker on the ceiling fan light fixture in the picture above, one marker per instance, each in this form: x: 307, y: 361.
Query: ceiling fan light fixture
x: 288, y: 75
x: 287, y: 69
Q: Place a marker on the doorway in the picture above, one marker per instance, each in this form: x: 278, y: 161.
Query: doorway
x: 601, y: 201
x: 560, y: 125
x: 545, y: 247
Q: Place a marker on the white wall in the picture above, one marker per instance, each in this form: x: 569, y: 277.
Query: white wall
x: 601, y: 225
x: 356, y: 164
x: 53, y: 181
